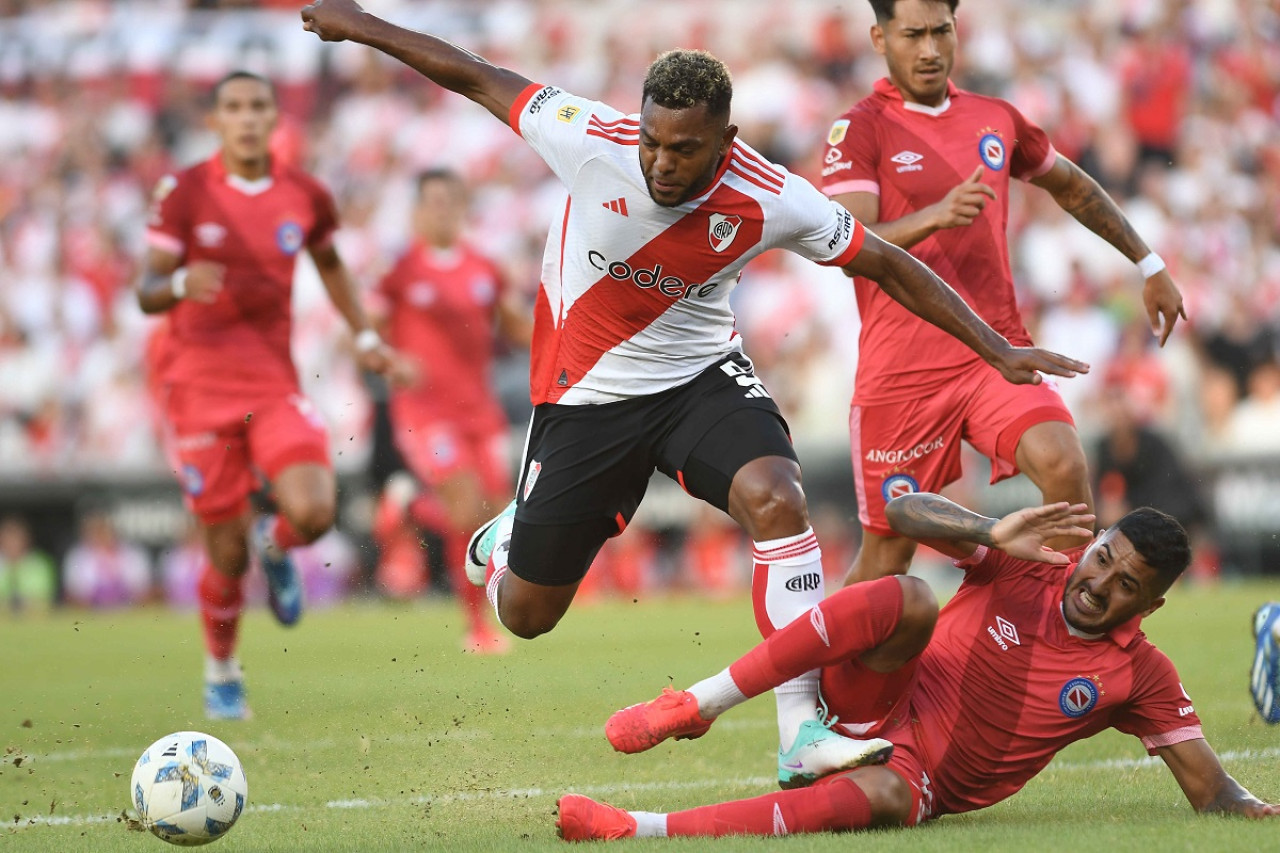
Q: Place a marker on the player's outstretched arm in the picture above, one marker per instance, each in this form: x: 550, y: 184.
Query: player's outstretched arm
x: 458, y: 70
x: 1208, y: 786
x: 947, y: 527
x: 371, y: 352
x: 921, y: 292
x: 1081, y: 196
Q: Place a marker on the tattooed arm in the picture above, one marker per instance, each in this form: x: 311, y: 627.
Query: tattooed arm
x: 957, y: 532
x: 1082, y: 197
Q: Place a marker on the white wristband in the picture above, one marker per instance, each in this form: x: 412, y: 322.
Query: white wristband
x: 1150, y: 265
x: 178, y: 283
x: 367, y: 340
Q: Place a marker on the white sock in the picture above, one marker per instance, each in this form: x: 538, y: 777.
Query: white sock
x: 797, y: 702
x: 650, y: 824
x: 498, y: 560
x: 717, y: 694
x: 793, y: 586
x: 222, y: 671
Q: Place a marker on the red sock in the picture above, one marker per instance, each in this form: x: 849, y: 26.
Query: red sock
x: 284, y: 535
x: 470, y: 596
x: 221, y: 602
x: 837, y: 805
x: 852, y: 621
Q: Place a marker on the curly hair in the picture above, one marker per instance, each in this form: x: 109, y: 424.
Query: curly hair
x: 884, y: 9
x: 679, y: 79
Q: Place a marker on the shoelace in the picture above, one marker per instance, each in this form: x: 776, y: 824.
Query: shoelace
x: 825, y: 718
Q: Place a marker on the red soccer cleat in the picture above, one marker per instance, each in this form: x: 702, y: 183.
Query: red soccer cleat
x: 674, y: 714
x: 583, y: 819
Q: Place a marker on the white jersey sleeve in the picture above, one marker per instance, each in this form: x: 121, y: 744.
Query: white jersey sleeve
x: 558, y: 125
x: 815, y: 227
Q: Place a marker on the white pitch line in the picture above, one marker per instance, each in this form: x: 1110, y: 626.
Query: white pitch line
x: 358, y: 804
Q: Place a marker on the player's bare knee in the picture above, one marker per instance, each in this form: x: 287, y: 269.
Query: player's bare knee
x: 772, y: 503
x: 526, y: 625
x: 919, y: 615
x: 313, y: 519
x: 889, y: 796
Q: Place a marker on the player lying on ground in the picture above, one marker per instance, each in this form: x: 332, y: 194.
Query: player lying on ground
x: 636, y: 365
x: 1059, y: 641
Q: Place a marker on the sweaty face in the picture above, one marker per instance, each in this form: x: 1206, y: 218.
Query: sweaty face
x: 680, y: 150
x: 244, y: 115
x: 919, y: 46
x: 439, y: 213
x: 1110, y: 586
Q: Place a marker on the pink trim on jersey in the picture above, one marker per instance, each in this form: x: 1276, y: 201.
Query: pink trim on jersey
x: 855, y: 246
x: 518, y: 105
x: 165, y: 242
x: 1049, y: 160
x: 611, y: 311
x: 1173, y: 738
x: 843, y: 187
x: 973, y: 559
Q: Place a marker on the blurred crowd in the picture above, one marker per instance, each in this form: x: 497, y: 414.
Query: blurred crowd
x: 1173, y: 105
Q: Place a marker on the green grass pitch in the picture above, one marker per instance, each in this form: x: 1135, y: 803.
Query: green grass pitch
x: 372, y: 731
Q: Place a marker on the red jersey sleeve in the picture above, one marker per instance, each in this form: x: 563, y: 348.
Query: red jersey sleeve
x: 986, y: 564
x: 326, y: 217
x: 169, y: 220
x: 1159, y: 711
x: 849, y: 164
x: 1033, y: 153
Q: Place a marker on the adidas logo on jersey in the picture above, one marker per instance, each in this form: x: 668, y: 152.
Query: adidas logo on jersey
x: 618, y: 205
x: 908, y: 161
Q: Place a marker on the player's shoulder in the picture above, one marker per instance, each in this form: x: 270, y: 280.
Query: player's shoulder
x: 756, y: 169
x: 978, y: 102
x: 303, y: 179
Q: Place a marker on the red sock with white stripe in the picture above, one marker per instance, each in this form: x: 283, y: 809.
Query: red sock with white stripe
x: 221, y: 603
x: 282, y: 535
x: 835, y: 805
x: 470, y: 596
x: 498, y: 562
x: 786, y: 582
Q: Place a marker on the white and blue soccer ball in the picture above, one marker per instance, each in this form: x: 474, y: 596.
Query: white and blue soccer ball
x: 189, y: 788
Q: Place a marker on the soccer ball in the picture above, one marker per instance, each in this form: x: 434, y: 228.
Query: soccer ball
x: 188, y: 788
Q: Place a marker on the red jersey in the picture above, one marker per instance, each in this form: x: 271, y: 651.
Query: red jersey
x: 255, y: 229
x: 1004, y: 685
x: 441, y: 310
x: 911, y: 156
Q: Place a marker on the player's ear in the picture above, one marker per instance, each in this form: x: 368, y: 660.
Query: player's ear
x: 877, y: 38
x: 1155, y: 605
x: 726, y: 141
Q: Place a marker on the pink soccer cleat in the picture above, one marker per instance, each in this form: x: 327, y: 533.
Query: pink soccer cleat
x: 674, y: 714
x: 583, y: 819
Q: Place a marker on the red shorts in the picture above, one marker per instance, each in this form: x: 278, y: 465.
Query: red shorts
x: 914, y: 445
x: 437, y: 449
x: 853, y: 692
x: 217, y: 447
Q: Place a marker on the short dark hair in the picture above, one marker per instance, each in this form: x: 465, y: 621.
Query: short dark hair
x: 439, y: 173
x: 679, y: 79
x: 240, y: 74
x: 884, y: 9
x: 1160, y: 540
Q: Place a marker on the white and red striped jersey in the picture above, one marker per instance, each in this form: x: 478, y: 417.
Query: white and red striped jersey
x: 635, y: 296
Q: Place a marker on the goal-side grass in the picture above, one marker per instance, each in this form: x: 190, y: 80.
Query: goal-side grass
x: 372, y: 731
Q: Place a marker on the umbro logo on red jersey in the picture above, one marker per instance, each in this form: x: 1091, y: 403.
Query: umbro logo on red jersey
x: 908, y: 161
x: 618, y: 205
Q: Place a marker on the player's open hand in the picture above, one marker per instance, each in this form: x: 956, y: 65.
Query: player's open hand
x: 332, y: 20
x: 964, y: 203
x: 1023, y: 365
x: 1164, y: 303
x: 1022, y: 534
x: 204, y: 281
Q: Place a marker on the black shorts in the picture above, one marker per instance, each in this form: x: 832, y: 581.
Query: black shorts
x: 586, y: 468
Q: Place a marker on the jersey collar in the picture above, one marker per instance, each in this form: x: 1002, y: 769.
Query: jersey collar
x: 251, y: 188
x: 885, y: 88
